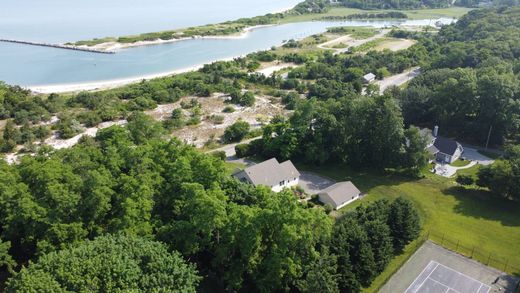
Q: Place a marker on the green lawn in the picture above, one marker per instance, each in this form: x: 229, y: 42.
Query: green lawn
x: 460, y: 163
x: 472, y: 216
x: 232, y: 167
x: 454, y: 12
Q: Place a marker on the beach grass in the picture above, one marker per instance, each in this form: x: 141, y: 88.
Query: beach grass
x: 472, y: 216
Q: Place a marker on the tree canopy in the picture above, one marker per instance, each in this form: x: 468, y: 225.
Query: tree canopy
x: 107, y: 264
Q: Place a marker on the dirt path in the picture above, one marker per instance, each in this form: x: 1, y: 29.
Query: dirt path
x: 329, y: 44
x: 353, y: 42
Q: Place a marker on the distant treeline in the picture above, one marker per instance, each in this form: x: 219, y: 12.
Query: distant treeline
x: 390, y: 4
x: 382, y: 15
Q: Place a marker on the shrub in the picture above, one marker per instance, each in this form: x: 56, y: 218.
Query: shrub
x: 290, y: 100
x: 328, y: 208
x: 216, y: 119
x: 228, y: 109
x: 247, y: 100
x: 219, y: 154
x: 236, y: 132
x: 256, y: 147
x: 465, y: 180
x: 191, y: 104
x: 242, y: 150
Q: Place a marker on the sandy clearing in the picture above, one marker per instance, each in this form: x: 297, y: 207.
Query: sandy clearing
x: 58, y: 143
x: 396, y: 44
x: 263, y: 110
x: 270, y: 68
x: 162, y: 112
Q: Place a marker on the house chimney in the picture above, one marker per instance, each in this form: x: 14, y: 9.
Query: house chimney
x: 435, y: 131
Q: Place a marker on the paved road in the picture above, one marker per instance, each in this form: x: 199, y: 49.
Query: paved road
x: 398, y: 79
x: 231, y: 154
x: 229, y: 149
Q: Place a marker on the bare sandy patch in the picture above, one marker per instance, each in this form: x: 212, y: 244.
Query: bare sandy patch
x: 395, y: 44
x: 271, y: 67
x: 264, y: 109
x: 58, y: 143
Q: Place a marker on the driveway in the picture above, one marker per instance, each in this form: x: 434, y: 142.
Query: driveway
x: 446, y: 170
x: 313, y: 183
x: 473, y: 155
x: 398, y: 79
x: 469, y: 154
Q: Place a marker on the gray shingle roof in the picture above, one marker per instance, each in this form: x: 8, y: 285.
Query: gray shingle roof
x: 341, y: 192
x: 446, y: 145
x: 432, y: 150
x: 271, y: 172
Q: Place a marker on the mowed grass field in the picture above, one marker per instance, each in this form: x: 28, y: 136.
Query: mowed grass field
x: 474, y: 217
x: 452, y: 12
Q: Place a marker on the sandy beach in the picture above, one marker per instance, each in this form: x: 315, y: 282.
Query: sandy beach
x: 115, y: 46
x: 103, y: 85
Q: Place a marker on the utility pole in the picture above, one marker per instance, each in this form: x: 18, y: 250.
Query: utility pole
x: 489, y: 135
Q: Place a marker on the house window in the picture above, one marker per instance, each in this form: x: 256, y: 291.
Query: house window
x: 282, y: 183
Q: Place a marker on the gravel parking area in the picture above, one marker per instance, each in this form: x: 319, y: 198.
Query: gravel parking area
x: 313, y: 183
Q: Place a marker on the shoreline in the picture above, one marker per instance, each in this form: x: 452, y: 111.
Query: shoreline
x: 103, y: 84
x: 116, y: 46
x: 114, y: 83
x: 113, y: 46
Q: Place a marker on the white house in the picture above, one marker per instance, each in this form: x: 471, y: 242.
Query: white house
x: 339, y: 194
x: 444, y: 149
x: 270, y: 173
x: 368, y: 78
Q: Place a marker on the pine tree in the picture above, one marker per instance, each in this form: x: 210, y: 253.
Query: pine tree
x: 404, y: 222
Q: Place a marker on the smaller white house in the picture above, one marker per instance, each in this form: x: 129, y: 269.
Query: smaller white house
x: 271, y: 173
x: 444, y: 150
x: 339, y: 194
x: 368, y: 78
x: 447, y: 150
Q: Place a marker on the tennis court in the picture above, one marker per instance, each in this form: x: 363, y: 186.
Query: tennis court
x: 434, y: 269
x: 438, y: 278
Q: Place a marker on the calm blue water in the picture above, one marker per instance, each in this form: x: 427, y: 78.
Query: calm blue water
x: 35, y: 66
x: 69, y: 20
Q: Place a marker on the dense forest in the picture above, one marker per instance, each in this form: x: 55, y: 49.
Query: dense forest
x: 393, y: 4
x: 130, y: 181
x: 133, y: 186
x: 472, y: 83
